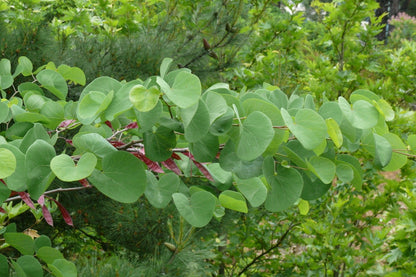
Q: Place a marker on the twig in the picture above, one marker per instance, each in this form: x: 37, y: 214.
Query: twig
x: 50, y: 192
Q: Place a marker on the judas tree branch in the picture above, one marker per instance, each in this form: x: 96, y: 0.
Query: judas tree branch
x: 50, y: 192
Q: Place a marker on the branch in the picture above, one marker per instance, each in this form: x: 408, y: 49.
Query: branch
x: 257, y: 258
x: 50, y: 192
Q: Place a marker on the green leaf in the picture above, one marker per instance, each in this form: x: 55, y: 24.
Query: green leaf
x: 222, y: 124
x: 398, y: 160
x: 363, y: 94
x: 385, y: 109
x: 4, y: 111
x: 323, y: 168
x: 357, y: 181
x: 159, y: 144
x: 92, y: 105
x: 93, y: 143
x: 4, y: 193
x: 363, y: 114
x: 185, y: 90
x: 256, y: 135
x: 6, y: 78
x: 253, y: 189
x: 379, y: 147
x: 309, y: 127
x: 196, y: 121
x: 345, y: 171
x: 22, y: 242
x: 164, y: 67
x: 54, y: 82
x: 37, y: 132
x: 73, y: 74
x: 159, y: 193
x: 233, y: 200
x: 334, y: 132
x: 198, y: 210
x: 30, y: 266
x: 39, y: 174
x: 17, y: 181
x: 24, y: 66
x: 48, y: 254
x: 331, y: 110
x: 42, y: 241
x: 411, y: 141
x: 63, y: 268
x: 285, y: 186
x: 4, y: 266
x: 122, y: 178
x: 65, y: 169
x: 313, y: 187
x: 54, y: 112
x: 7, y: 163
x: 216, y: 104
x: 121, y: 102
x: 102, y: 84
x: 144, y: 99
x: 205, y: 149
x: 303, y: 207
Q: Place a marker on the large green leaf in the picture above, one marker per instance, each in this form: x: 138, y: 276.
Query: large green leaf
x: 122, y: 178
x: 22, y: 242
x: 323, y: 168
x: 159, y: 144
x: 253, y: 189
x: 54, y: 112
x: 198, y: 210
x: 357, y: 181
x: 54, y: 82
x: 17, y: 181
x: 92, y: 105
x: 7, y: 163
x: 233, y: 200
x: 6, y: 78
x: 102, y: 84
x: 308, y: 127
x: 148, y: 119
x: 39, y: 174
x: 35, y: 133
x: 398, y: 160
x: 256, y: 135
x: 196, y: 121
x: 144, y: 99
x: 185, y: 90
x: 285, y: 186
x: 363, y: 115
x: 93, y: 143
x: 159, y: 192
x: 64, y: 168
x: 63, y: 268
x: 216, y: 104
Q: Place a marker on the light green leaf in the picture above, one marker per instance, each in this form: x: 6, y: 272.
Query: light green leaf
x: 222, y: 124
x: 411, y: 141
x: 25, y: 66
x: 17, y: 181
x: 159, y: 193
x: 303, y: 207
x: 334, y: 132
x: 256, y: 135
x: 205, y: 149
x: 144, y: 99
x: 397, y: 160
x: 92, y: 105
x: 253, y: 189
x: 30, y: 266
x: 198, y: 210
x: 63, y: 268
x: 233, y: 200
x: 345, y: 171
x: 6, y: 78
x: 102, y: 84
x: 48, y: 254
x: 64, y: 168
x: 357, y: 181
x: 4, y: 111
x: 122, y: 178
x: 73, y: 74
x: 216, y: 104
x: 93, y: 143
x: 309, y: 127
x: 196, y: 121
x: 54, y: 112
x: 54, y: 82
x: 7, y: 163
x: 363, y: 115
x: 323, y: 168
x: 121, y: 102
x: 164, y: 67
x: 185, y: 90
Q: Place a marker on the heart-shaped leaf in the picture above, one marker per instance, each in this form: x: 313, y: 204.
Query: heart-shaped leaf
x: 185, y: 90
x: 92, y: 105
x: 49, y: 254
x: 63, y: 268
x: 122, y: 178
x: 233, y: 200
x: 253, y: 189
x: 196, y: 121
x: 216, y: 105
x: 159, y: 193
x: 363, y: 115
x: 256, y: 135
x: 54, y: 82
x: 144, y: 99
x: 323, y: 168
x: 64, y: 168
x: 94, y: 143
x: 198, y: 210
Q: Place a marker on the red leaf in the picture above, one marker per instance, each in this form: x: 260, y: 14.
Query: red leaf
x: 108, y: 123
x: 26, y: 198
x: 153, y: 166
x: 66, y: 123
x: 64, y: 212
x: 41, y: 200
x: 69, y: 141
x: 1, y: 180
x: 200, y: 166
x: 47, y: 215
x: 85, y: 183
x: 176, y: 156
x: 2, y: 210
x: 117, y: 143
x: 132, y: 125
x: 171, y: 165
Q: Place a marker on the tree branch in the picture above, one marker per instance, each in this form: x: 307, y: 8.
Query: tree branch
x: 50, y: 192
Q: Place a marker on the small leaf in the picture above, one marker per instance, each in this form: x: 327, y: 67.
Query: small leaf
x: 334, y: 132
x: 144, y: 99
x: 63, y: 268
x: 233, y: 200
x: 159, y: 192
x: 7, y: 163
x: 303, y: 207
x: 64, y: 168
x: 49, y: 254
